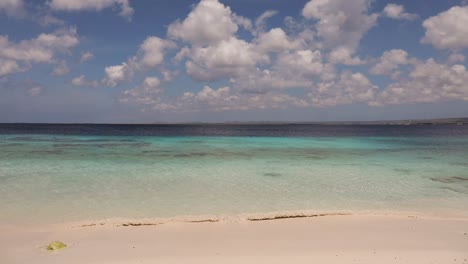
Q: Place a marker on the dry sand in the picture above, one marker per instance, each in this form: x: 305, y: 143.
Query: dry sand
x: 330, y: 239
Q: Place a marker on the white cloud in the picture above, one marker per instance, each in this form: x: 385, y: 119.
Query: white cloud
x: 300, y: 62
x: 35, y: 91
x: 93, y: 5
x: 340, y: 23
x: 347, y: 89
x: 243, y: 22
x: 448, y: 29
x: 398, y: 12
x: 50, y: 20
x: 168, y: 76
x: 227, y: 99
x: 208, y: 23
x: 46, y: 48
x: 428, y: 81
x: 275, y: 40
x: 86, y: 56
x: 8, y: 67
x: 61, y: 69
x: 264, y: 68
x: 290, y: 69
x: 39, y: 50
x: 149, y: 55
x: 149, y: 93
x: 225, y: 59
x: 456, y: 57
x: 389, y: 62
x: 152, y: 51
x: 12, y: 7
x: 117, y: 74
x: 215, y: 52
x: 265, y: 81
x: 343, y: 55
x: 260, y: 22
x: 81, y: 81
x: 220, y: 99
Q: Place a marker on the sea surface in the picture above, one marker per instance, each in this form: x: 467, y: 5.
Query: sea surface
x: 67, y: 173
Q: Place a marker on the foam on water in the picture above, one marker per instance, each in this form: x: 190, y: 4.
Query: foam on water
x: 62, y: 178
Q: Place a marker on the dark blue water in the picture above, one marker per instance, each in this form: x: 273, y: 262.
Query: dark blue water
x: 286, y: 130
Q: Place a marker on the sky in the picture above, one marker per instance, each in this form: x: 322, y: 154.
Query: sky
x: 144, y: 61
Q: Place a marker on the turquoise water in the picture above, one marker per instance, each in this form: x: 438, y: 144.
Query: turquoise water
x: 61, y: 178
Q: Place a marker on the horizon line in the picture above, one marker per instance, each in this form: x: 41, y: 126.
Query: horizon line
x: 463, y: 120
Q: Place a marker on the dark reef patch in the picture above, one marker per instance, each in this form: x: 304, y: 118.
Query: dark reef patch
x: 452, y: 190
x: 452, y: 179
x: 47, y: 152
x: 405, y: 171
x: 271, y: 174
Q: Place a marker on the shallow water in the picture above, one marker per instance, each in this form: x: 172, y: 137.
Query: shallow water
x: 73, y: 173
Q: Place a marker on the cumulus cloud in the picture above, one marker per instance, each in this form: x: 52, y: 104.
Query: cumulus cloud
x: 344, y: 55
x: 35, y: 91
x: 312, y: 55
x: 456, y: 57
x: 275, y: 40
x: 389, y: 62
x: 50, y: 20
x: 39, y: 50
x: 117, y: 74
x: 82, y: 81
x: 46, y: 48
x: 209, y: 22
x: 148, y: 93
x: 86, y: 56
x: 448, y: 30
x: 152, y: 51
x: 149, y: 55
x: 290, y: 69
x: 348, y: 88
x: 228, y: 58
x: 268, y: 80
x: 93, y: 5
x: 12, y: 7
x: 168, y: 76
x: 428, y: 82
x: 227, y: 99
x: 300, y: 62
x: 8, y: 67
x: 398, y: 12
x: 61, y: 69
x: 260, y: 22
x: 79, y: 81
x: 340, y: 23
x: 214, y: 51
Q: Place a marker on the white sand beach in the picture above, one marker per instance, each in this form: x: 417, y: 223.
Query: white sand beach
x: 329, y: 239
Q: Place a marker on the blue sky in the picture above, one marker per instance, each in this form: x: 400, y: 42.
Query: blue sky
x: 127, y: 61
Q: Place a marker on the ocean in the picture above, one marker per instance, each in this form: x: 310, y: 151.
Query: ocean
x: 70, y: 173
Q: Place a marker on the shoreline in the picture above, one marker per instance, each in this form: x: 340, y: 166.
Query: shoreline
x: 233, y: 218
x: 330, y: 239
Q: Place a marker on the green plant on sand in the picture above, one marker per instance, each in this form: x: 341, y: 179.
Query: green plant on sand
x: 56, y: 245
